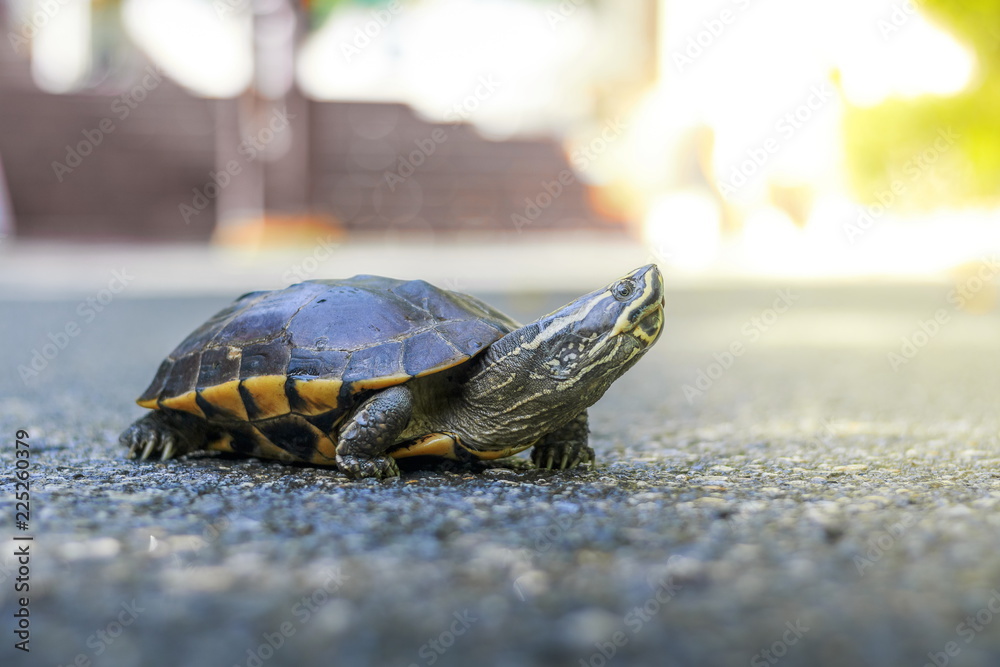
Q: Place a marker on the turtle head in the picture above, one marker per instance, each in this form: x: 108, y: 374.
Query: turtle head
x: 538, y: 377
x: 593, y: 340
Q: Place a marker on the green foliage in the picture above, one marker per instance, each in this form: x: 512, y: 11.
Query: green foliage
x: 320, y: 9
x: 899, y: 142
x: 975, y: 22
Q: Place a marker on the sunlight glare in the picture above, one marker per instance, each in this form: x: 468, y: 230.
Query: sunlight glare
x: 204, y: 50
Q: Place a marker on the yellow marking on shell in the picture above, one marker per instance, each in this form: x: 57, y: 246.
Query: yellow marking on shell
x: 150, y: 403
x: 223, y: 444
x: 268, y: 393
x: 226, y: 397
x: 434, y: 444
x: 268, y: 450
x: 380, y: 382
x: 489, y: 455
x: 185, y: 403
x: 442, y: 367
x: 319, y: 396
x: 445, y: 444
x: 326, y: 452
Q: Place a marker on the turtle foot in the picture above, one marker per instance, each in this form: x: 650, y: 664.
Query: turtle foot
x: 359, y: 467
x: 561, y: 455
x: 566, y: 447
x: 153, y: 437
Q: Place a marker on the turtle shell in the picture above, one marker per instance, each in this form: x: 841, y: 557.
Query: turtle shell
x: 306, y: 350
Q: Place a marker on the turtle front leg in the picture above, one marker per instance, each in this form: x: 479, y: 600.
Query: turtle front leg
x: 165, y: 434
x: 565, y: 447
x: 370, y: 431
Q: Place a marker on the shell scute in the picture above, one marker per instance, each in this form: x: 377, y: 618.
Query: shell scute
x: 219, y: 365
x: 375, y: 362
x: 428, y: 351
x: 329, y: 339
x: 183, y: 376
x: 269, y: 358
x: 305, y: 363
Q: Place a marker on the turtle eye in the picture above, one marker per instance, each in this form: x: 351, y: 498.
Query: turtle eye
x: 623, y: 289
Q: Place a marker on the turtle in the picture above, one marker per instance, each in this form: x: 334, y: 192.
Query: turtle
x: 356, y: 373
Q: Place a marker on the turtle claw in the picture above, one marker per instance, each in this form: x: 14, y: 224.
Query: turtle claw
x: 560, y: 455
x: 564, y: 448
x: 168, y: 451
x: 358, y: 467
x: 128, y: 439
x: 148, y: 449
x: 153, y: 438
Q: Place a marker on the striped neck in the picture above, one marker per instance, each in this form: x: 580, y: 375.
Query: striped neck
x: 509, y: 398
x: 539, y: 377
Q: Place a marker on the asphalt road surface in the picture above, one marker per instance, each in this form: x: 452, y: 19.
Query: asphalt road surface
x: 794, y: 475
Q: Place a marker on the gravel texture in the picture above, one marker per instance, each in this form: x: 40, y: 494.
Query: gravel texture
x: 809, y: 506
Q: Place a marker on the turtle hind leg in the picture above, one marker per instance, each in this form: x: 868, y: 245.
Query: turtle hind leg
x: 166, y: 434
x: 368, y: 434
x: 565, y: 447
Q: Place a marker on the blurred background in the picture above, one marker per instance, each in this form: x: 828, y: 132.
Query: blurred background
x: 819, y: 182
x: 522, y: 137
